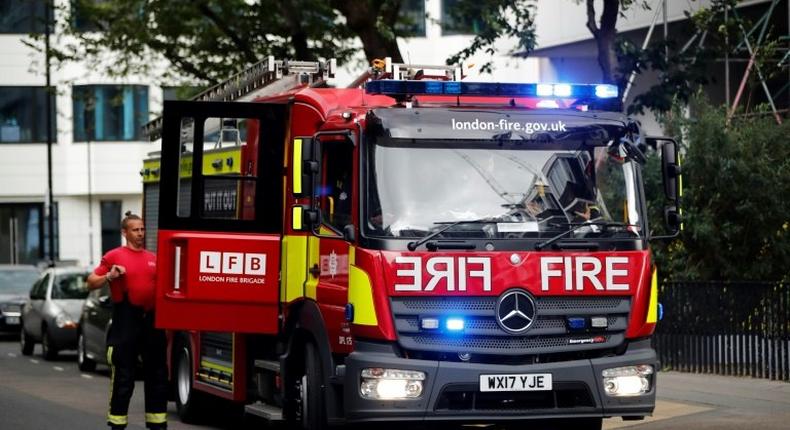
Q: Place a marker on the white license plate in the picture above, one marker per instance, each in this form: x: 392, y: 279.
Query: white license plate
x: 516, y: 382
x: 12, y: 320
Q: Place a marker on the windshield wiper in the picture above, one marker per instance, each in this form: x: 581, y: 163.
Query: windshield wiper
x: 415, y: 244
x: 576, y: 227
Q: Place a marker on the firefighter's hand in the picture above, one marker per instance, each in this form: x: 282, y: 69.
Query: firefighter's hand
x: 115, y: 272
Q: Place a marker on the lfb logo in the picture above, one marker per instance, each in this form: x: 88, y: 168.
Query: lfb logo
x: 232, y: 263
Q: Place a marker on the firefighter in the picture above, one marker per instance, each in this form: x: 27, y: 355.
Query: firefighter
x: 131, y: 272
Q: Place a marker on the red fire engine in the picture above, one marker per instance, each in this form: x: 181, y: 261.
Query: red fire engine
x: 412, y: 248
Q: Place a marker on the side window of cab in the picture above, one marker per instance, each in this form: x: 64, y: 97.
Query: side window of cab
x: 336, y: 189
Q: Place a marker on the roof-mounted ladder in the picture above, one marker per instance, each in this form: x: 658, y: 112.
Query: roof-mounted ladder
x: 386, y: 69
x: 266, y: 77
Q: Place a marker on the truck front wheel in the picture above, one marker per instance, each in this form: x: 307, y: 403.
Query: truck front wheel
x: 311, y: 408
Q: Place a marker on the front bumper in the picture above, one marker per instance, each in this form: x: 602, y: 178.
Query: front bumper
x: 62, y: 338
x: 451, y: 389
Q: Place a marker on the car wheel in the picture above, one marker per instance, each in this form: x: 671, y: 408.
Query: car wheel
x: 26, y: 343
x: 311, y: 407
x: 188, y: 401
x: 84, y: 363
x: 47, y: 350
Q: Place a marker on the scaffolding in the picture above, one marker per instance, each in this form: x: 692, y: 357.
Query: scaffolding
x: 743, y: 47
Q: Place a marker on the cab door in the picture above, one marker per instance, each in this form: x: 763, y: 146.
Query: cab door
x: 336, y: 200
x: 220, y: 216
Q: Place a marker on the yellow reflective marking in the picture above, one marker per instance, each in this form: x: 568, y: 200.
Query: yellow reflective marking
x: 352, y: 255
x: 156, y: 418
x: 118, y: 420
x: 296, y: 218
x: 297, y: 166
x: 215, y: 161
x: 112, y: 379
x: 215, y: 366
x: 680, y: 193
x: 293, y: 267
x: 360, y: 293
x: 652, y: 307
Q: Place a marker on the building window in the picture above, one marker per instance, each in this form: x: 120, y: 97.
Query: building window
x: 21, y: 118
x: 24, y: 234
x: 412, y: 23
x: 109, y: 112
x: 110, y: 225
x: 461, y: 21
x: 23, y: 16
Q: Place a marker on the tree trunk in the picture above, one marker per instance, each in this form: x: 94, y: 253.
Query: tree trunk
x: 605, y: 37
x: 361, y: 18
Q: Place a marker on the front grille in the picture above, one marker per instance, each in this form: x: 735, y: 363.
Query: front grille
x: 10, y: 308
x: 466, y: 398
x: 482, y: 335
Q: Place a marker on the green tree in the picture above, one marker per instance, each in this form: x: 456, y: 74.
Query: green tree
x: 736, y: 181
x: 205, y: 41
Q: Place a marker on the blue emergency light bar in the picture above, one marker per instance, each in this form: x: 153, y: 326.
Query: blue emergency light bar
x: 396, y: 88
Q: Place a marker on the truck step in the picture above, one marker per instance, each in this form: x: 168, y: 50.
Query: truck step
x: 270, y: 365
x: 267, y: 412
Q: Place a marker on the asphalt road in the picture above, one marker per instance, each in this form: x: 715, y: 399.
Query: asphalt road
x: 38, y: 394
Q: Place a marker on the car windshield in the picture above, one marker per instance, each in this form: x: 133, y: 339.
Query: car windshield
x: 508, y: 189
x: 17, y: 281
x: 70, y: 286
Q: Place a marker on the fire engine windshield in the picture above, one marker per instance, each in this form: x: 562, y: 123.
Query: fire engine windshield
x: 500, y: 189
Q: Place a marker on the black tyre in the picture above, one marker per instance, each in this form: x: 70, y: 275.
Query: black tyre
x: 84, y: 363
x: 188, y: 401
x: 26, y: 343
x: 47, y: 349
x: 312, y: 409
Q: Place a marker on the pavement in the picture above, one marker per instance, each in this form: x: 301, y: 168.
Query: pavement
x: 702, y: 401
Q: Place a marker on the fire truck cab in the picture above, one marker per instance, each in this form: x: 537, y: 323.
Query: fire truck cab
x: 424, y: 250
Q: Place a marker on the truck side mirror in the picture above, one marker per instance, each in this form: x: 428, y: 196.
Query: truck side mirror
x: 305, y: 218
x: 670, y: 170
x: 670, y: 173
x: 305, y: 166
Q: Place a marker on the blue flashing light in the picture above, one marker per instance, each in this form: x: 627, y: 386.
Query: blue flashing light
x: 562, y: 90
x: 544, y: 90
x: 397, y: 88
x: 577, y: 323
x: 452, y: 87
x: 454, y: 324
x: 660, y: 311
x: 605, y: 91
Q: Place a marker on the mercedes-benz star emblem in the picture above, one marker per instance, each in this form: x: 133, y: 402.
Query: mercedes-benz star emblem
x: 515, y: 311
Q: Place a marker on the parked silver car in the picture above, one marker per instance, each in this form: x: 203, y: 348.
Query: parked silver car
x: 52, y: 312
x: 15, y: 282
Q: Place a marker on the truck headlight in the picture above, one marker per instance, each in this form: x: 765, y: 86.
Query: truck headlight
x: 627, y: 380
x: 64, y: 321
x: 391, y: 384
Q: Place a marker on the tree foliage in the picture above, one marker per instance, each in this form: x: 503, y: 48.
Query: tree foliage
x: 684, y: 61
x: 205, y: 41
x: 496, y: 19
x: 736, y: 208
